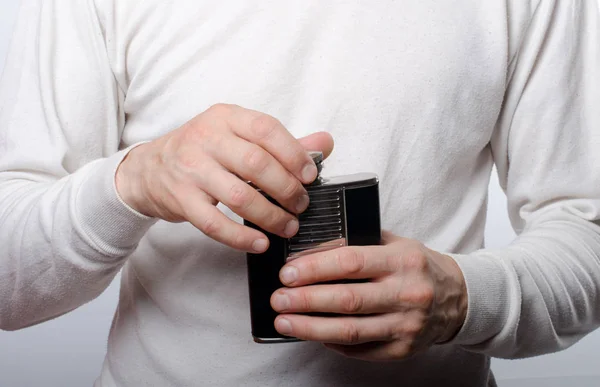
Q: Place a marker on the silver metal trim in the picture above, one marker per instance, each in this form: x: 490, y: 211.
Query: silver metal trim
x: 276, y: 340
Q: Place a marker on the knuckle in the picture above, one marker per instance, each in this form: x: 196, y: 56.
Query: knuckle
x: 306, y: 300
x: 256, y: 160
x: 240, y: 197
x: 313, y: 268
x: 392, y: 263
x: 196, y: 131
x: 351, y: 261
x: 210, y: 226
x: 306, y: 330
x: 220, y: 109
x: 392, y: 332
x: 413, y: 328
x: 400, y: 351
x: 188, y: 160
x: 290, y: 189
x: 240, y: 241
x: 416, y: 260
x: 350, y: 302
x: 277, y: 218
x: 294, y: 158
x: 263, y: 126
x: 422, y: 296
x: 350, y: 334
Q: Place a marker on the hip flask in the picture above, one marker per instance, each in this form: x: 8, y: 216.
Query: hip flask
x: 343, y: 211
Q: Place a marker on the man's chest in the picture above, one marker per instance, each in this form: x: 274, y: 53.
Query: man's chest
x: 378, y: 73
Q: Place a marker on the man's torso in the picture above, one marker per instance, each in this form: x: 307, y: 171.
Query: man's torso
x: 409, y: 90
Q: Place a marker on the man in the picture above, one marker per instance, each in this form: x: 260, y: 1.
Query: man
x: 129, y: 130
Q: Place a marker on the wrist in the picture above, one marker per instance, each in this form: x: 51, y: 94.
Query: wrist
x: 129, y: 180
x: 455, y: 298
x: 101, y: 217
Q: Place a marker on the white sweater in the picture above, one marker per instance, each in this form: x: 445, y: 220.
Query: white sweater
x: 428, y: 94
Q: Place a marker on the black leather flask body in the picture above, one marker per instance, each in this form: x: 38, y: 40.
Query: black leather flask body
x: 343, y: 211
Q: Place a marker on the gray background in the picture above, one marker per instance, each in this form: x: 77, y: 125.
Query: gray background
x: 69, y: 351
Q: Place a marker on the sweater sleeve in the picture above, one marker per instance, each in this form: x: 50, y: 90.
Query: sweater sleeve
x: 64, y: 232
x: 541, y: 294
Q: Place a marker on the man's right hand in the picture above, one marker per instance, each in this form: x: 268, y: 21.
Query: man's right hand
x: 184, y: 174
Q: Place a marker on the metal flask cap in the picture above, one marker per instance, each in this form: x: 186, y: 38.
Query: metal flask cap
x: 317, y: 158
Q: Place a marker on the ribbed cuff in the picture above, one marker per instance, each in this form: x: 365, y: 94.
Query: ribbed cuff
x: 112, y: 227
x: 487, y: 289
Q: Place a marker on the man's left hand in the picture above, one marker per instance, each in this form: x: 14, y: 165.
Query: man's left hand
x: 414, y: 298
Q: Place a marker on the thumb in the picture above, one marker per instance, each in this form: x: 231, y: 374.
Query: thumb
x: 319, y: 142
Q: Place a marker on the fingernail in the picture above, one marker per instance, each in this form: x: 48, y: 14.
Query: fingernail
x: 289, y: 275
x: 309, y: 173
x: 260, y: 245
x: 291, y: 228
x: 283, y: 326
x: 281, y: 302
x: 302, y: 203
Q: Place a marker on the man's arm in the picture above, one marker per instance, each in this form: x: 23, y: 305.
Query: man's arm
x: 64, y: 233
x: 541, y: 293
x: 64, y: 229
x: 538, y: 295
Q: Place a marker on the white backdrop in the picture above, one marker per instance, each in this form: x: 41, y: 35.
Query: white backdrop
x: 68, y: 351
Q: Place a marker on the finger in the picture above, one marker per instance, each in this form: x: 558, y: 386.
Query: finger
x: 320, y: 141
x: 387, y: 237
x: 376, y: 351
x: 245, y: 201
x: 216, y: 225
x: 253, y: 163
x: 338, y: 330
x: 353, y: 299
x: 271, y: 135
x: 351, y: 262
